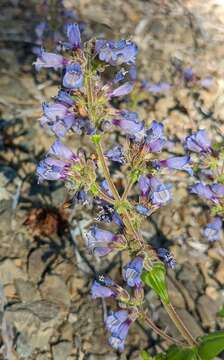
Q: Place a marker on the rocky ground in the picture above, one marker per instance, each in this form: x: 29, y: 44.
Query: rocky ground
x: 45, y: 269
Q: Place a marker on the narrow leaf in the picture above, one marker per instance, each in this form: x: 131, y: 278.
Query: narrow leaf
x: 156, y: 279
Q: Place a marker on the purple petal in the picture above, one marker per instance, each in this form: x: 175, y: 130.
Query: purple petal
x: 73, y: 34
x: 213, y: 231
x: 98, y: 290
x: 203, y: 191
x: 62, y: 151
x: 48, y: 60
x: 73, y: 78
x: 132, y: 272
x: 122, y: 90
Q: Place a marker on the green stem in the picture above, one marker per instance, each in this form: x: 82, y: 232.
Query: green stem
x: 125, y: 215
x: 160, y: 332
x: 106, y: 172
x: 180, y: 325
x: 127, y: 189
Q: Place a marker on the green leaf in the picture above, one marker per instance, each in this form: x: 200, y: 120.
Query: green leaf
x: 145, y: 355
x: 176, y: 353
x: 221, y: 312
x: 211, y: 345
x: 96, y: 138
x: 156, y: 279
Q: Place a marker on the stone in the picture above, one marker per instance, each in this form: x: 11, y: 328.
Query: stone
x: 37, y: 263
x: 176, y: 297
x: 187, y: 318
x: 9, y: 272
x: 219, y: 274
x: 207, y: 309
x: 26, y: 291
x: 54, y: 289
x: 62, y: 350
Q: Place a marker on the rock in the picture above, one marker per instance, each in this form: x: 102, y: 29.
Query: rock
x: 187, y: 318
x: 9, y: 272
x: 37, y: 262
x: 207, y: 309
x: 26, y: 291
x: 55, y: 289
x: 175, y: 295
x: 219, y: 274
x: 212, y: 293
x: 62, y: 350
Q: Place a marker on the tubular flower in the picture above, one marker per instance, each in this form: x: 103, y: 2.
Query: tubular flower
x: 103, y: 291
x: 58, y: 118
x: 152, y: 189
x: 52, y: 168
x: 154, y: 138
x: 132, y: 271
x: 198, y: 142
x: 118, y: 324
x: 73, y: 78
x: 116, y: 154
x: 116, y: 52
x: 177, y: 163
x: 74, y: 36
x: 213, y: 230
x: 204, y: 191
x: 130, y: 124
x: 102, y: 242
x: 49, y: 60
x: 165, y: 256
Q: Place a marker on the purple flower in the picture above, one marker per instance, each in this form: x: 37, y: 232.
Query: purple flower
x: 118, y: 324
x: 144, y: 183
x: 165, y: 256
x: 116, y: 52
x: 206, y: 82
x: 143, y: 210
x: 130, y: 124
x: 203, y: 191
x: 120, y: 75
x: 188, y: 74
x: 218, y: 190
x: 64, y: 98
x: 58, y: 118
x: 157, y: 88
x: 177, y: 163
x: 153, y: 189
x: 73, y: 78
x: 60, y: 150
x: 49, y: 60
x: 161, y: 194
x: 108, y: 214
x: 105, y: 187
x: 198, y: 142
x: 154, y: 139
x: 116, y: 154
x: 101, y: 291
x: 122, y: 90
x: 55, y: 111
x: 51, y: 169
x: 74, y: 36
x: 213, y: 231
x: 102, y: 242
x: 132, y: 271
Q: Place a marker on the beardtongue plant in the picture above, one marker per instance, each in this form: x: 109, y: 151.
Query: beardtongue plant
x: 84, y: 106
x: 208, y: 164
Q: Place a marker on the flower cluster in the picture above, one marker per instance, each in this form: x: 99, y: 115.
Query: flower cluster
x: 118, y: 323
x: 85, y: 105
x: 208, y: 164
